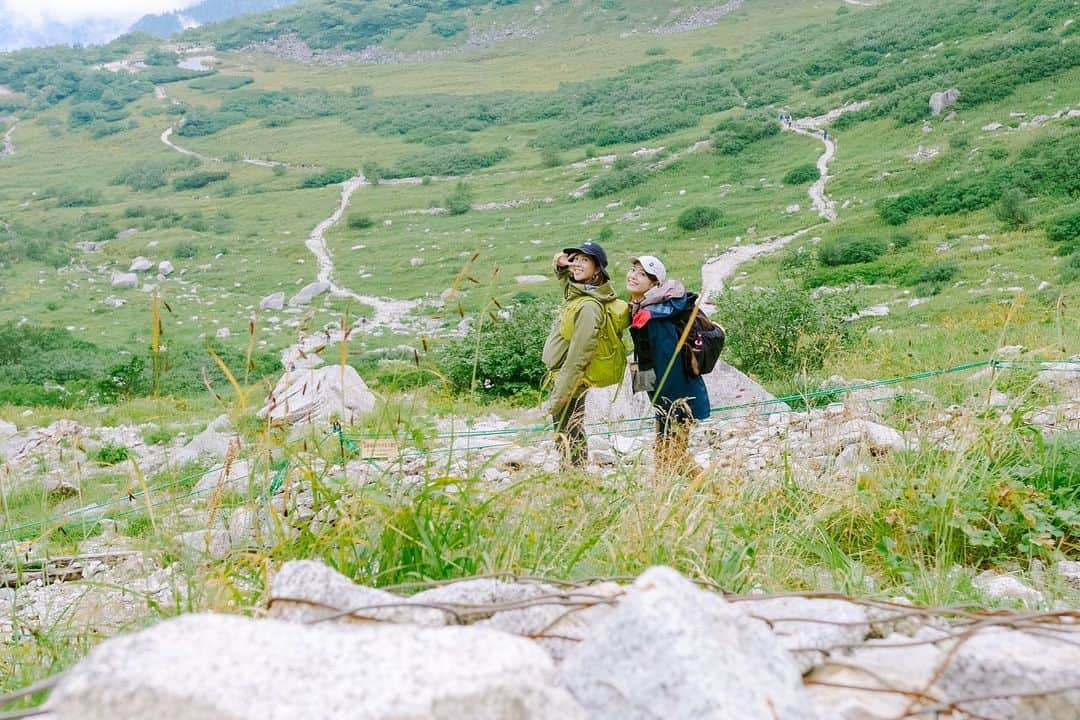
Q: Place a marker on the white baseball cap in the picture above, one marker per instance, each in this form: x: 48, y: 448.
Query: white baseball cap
x: 651, y: 265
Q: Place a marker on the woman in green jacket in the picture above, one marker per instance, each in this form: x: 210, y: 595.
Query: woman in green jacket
x: 572, y: 343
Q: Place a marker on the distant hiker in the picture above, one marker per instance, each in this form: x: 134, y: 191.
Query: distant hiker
x: 659, y: 311
x: 824, y: 133
x: 584, y: 347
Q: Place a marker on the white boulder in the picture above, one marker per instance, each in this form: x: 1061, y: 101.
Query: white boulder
x: 941, y: 100
x: 140, y: 264
x: 221, y: 667
x: 316, y: 394
x: 124, y: 281
x: 672, y: 650
x: 274, y: 301
x: 308, y: 293
x: 165, y: 268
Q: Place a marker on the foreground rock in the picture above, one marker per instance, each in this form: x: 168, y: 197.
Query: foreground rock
x: 317, y: 395
x: 671, y: 650
x: 219, y: 667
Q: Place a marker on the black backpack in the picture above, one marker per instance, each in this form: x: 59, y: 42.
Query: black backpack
x: 704, y: 340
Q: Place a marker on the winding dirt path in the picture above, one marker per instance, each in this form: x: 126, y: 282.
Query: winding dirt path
x: 9, y: 145
x: 718, y: 269
x: 814, y: 127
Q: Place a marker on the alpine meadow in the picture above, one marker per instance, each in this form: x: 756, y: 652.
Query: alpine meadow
x: 274, y: 291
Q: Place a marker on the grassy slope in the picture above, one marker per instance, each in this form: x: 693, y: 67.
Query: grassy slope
x: 262, y: 217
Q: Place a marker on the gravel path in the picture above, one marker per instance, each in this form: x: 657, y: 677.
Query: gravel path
x: 9, y: 144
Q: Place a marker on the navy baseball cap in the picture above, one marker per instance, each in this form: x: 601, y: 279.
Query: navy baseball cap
x: 593, y: 250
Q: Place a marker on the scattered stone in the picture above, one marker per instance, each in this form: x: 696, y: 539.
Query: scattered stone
x: 416, y: 262
x: 165, y: 268
x: 308, y: 293
x: 212, y: 542
x: 941, y: 100
x: 983, y: 247
x: 530, y: 279
x: 274, y: 301
x: 1069, y: 570
x: 236, y: 477
x: 792, y: 209
x: 124, y: 281
x: 990, y: 127
x: 212, y: 443
x: 922, y: 153
x: 140, y: 264
x: 222, y: 333
x: 113, y: 302
x: 1006, y: 587
x: 307, y: 590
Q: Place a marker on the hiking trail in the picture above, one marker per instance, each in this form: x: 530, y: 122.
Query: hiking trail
x: 9, y: 145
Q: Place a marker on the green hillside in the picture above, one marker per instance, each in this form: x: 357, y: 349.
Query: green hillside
x: 508, y: 112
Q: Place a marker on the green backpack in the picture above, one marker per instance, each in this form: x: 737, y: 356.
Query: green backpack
x: 608, y: 364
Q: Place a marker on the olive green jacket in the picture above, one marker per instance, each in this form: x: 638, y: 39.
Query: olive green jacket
x: 567, y: 360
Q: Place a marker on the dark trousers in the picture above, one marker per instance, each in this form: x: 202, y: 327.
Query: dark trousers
x: 672, y: 454
x: 570, y: 433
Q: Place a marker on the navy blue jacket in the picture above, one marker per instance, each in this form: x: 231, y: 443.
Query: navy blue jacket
x: 655, y: 330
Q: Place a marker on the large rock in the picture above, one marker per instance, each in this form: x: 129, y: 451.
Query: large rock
x: 220, y: 667
x: 317, y: 394
x: 306, y: 590
x: 308, y: 293
x: 124, y: 281
x: 671, y: 650
x: 211, y: 444
x: 810, y: 628
x: 999, y: 661
x: 236, y: 477
x: 274, y: 301
x: 140, y: 264
x: 941, y: 100
x: 165, y: 268
x: 728, y: 386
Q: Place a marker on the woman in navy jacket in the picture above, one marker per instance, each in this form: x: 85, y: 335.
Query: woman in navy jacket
x: 659, y: 307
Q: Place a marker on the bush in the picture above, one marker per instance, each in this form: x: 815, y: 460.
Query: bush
x: 198, y: 180
x: 359, y: 221
x: 617, y: 180
x: 848, y: 251
x: 78, y: 197
x: 1065, y: 229
x: 698, y: 217
x: 731, y: 137
x: 328, y: 177
x: 506, y: 355
x: 775, y: 333
x: 110, y: 454
x: 185, y: 251
x: 1012, y: 210
x: 146, y: 175
x: 902, y: 240
x: 802, y: 174
x: 124, y: 380
x: 887, y: 269
x: 1070, y: 269
x: 938, y: 272
x: 459, y: 201
x: 447, y: 160
x: 448, y: 27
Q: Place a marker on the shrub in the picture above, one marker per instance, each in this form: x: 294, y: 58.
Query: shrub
x: 506, y: 355
x: 938, y: 272
x: 78, y: 197
x: 887, y: 269
x: 732, y: 136
x: 447, y: 160
x: 617, y: 180
x: 109, y: 454
x: 1012, y: 210
x: 848, y: 251
x: 185, y: 251
x: 1070, y: 269
x: 198, y: 180
x: 359, y: 221
x: 459, y: 201
x: 328, y: 177
x: 1065, y: 229
x: 549, y: 157
x: 124, y: 380
x: 146, y: 175
x: 802, y: 174
x: 698, y: 217
x: 448, y: 26
x: 654, y: 51
x: 774, y: 333
x: 902, y: 240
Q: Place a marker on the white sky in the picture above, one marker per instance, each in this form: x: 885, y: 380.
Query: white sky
x: 38, y: 13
